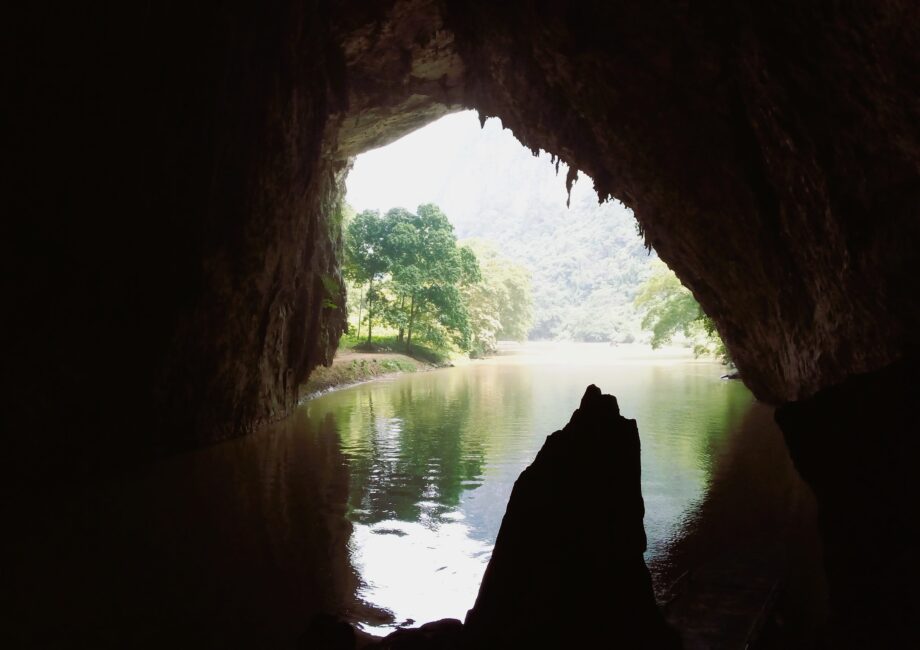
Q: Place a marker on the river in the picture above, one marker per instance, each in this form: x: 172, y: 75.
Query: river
x: 382, y: 502
x: 432, y: 459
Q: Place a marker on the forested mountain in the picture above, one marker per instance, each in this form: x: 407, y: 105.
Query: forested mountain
x: 586, y: 260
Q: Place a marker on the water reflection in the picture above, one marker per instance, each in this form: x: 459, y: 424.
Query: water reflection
x: 432, y: 459
x: 235, y: 545
x: 391, y: 491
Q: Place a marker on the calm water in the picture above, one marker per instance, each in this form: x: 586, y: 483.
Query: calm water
x: 432, y: 458
x: 381, y: 502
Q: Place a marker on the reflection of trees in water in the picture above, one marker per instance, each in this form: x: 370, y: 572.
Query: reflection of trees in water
x: 232, y: 545
x: 414, y: 446
x: 755, y: 502
x: 698, y: 420
x: 756, y: 524
x: 303, y: 478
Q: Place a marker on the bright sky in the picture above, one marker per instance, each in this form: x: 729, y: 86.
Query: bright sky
x: 412, y: 170
x: 432, y: 165
x: 467, y: 170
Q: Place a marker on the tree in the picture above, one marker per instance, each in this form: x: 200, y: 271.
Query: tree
x: 669, y: 309
x: 365, y: 257
x: 500, y: 304
x: 427, y: 271
x: 415, y: 273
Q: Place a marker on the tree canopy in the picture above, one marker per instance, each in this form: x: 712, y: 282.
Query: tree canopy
x: 421, y: 283
x: 500, y: 304
x: 586, y: 261
x: 669, y: 309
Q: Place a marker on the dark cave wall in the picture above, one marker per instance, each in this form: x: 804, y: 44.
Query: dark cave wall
x: 855, y: 444
x: 178, y: 170
x: 176, y: 266
x: 770, y: 152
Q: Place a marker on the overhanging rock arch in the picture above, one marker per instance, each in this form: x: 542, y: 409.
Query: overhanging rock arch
x: 770, y: 155
x: 178, y: 171
x: 723, y: 142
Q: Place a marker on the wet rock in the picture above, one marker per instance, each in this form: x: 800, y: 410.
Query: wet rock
x: 856, y: 445
x: 563, y: 574
x: 446, y: 634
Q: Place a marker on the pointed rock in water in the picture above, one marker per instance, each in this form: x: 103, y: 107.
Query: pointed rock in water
x: 568, y: 569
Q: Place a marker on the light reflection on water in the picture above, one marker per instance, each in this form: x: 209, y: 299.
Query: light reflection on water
x: 432, y: 458
x: 421, y: 467
x: 420, y: 568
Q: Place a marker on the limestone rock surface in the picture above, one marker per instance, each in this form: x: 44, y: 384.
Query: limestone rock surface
x: 178, y: 172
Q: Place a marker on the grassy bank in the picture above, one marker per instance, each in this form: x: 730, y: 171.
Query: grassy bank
x: 389, y: 344
x: 358, y: 361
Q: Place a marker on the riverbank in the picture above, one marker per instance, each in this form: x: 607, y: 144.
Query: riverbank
x: 354, y: 367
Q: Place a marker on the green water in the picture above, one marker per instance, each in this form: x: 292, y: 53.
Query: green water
x: 387, y: 497
x: 431, y: 459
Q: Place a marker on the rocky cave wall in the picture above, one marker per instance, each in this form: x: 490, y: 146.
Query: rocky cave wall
x: 176, y: 271
x: 770, y: 153
x: 178, y: 171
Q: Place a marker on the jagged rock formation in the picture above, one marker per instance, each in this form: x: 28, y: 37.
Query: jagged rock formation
x: 765, y: 129
x: 557, y: 564
x: 172, y: 241
x: 561, y: 575
x: 180, y: 246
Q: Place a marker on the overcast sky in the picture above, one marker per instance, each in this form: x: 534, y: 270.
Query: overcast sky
x: 417, y: 168
x: 412, y: 170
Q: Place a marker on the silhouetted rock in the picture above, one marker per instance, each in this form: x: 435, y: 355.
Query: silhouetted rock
x: 446, y: 634
x: 857, y: 446
x: 563, y: 574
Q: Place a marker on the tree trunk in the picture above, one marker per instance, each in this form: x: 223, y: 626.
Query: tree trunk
x: 360, y: 309
x: 370, y: 308
x: 411, y: 321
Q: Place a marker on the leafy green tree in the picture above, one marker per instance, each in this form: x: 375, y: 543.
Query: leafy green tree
x: 669, y: 308
x: 365, y: 257
x: 500, y: 304
x: 427, y: 271
x: 424, y: 285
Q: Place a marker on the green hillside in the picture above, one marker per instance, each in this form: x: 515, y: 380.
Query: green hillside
x: 587, y: 260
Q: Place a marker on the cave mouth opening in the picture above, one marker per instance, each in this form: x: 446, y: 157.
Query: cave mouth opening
x: 417, y: 487
x: 523, y: 210
x: 784, y: 140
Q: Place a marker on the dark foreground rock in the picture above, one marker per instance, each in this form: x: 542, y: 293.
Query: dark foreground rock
x: 856, y: 445
x: 562, y: 575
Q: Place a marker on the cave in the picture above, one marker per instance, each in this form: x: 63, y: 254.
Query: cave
x: 173, y: 228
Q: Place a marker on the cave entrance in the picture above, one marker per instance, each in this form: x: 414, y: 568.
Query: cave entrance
x: 434, y: 452
x: 579, y: 264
